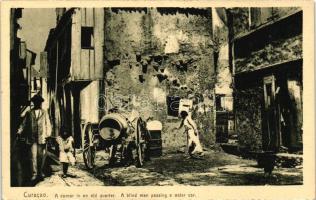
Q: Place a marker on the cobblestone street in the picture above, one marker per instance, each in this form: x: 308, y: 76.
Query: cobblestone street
x: 185, y: 100
x: 216, y: 168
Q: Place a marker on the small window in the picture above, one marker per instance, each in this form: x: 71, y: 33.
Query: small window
x: 87, y: 37
x: 173, y: 105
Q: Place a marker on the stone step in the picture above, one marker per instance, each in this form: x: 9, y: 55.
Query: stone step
x: 289, y: 160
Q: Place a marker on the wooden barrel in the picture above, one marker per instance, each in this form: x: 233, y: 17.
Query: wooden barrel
x: 155, y: 143
x: 112, y: 125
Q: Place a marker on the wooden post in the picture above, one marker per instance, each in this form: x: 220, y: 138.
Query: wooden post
x: 76, y: 43
x: 76, y: 120
x: 71, y: 111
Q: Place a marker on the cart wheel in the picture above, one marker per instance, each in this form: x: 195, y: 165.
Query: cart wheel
x: 139, y: 144
x: 112, y: 157
x: 89, y: 149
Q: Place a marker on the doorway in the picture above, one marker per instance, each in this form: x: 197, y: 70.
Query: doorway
x: 271, y: 121
x: 282, y: 121
x: 289, y: 100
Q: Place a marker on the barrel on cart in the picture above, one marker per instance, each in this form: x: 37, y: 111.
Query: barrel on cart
x: 125, y: 140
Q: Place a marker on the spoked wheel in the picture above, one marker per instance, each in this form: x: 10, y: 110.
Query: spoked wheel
x: 112, y: 157
x: 89, y: 149
x: 139, y: 144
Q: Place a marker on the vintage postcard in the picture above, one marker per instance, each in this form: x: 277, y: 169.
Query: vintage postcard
x: 150, y: 100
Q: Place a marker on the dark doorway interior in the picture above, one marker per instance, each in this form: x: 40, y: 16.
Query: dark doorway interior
x: 271, y: 139
x: 282, y: 120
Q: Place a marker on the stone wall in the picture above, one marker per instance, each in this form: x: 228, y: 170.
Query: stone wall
x: 248, y: 104
x: 260, y: 16
x: 273, y: 53
x: 240, y: 20
x: 274, y: 42
x: 154, y: 53
x: 224, y: 76
x: 267, y: 50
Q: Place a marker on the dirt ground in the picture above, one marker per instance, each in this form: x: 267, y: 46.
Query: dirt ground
x: 216, y: 168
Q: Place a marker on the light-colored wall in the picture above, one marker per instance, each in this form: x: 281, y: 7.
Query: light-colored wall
x: 177, y: 39
x: 89, y: 97
x: 220, y: 30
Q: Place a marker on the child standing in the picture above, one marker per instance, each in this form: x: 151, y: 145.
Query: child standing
x: 66, y: 151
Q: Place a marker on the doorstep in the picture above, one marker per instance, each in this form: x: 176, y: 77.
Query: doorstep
x: 289, y: 160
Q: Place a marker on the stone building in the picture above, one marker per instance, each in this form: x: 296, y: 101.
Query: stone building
x: 267, y: 69
x: 18, y: 78
x: 144, y: 59
x: 223, y: 87
x: 16, y: 104
x: 22, y: 62
x: 154, y: 57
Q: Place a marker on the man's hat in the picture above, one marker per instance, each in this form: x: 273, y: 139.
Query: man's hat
x: 37, y: 98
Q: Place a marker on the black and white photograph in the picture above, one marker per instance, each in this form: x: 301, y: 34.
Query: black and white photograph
x: 156, y: 96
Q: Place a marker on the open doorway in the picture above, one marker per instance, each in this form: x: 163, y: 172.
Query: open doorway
x: 282, y: 113
x: 271, y: 137
x: 289, y: 99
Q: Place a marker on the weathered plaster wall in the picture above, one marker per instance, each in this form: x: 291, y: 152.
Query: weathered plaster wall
x: 224, y: 76
x: 151, y: 54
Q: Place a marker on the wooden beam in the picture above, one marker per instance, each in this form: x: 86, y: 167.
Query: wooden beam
x: 76, y: 44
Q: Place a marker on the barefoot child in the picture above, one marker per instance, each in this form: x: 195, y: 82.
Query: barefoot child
x: 66, y: 151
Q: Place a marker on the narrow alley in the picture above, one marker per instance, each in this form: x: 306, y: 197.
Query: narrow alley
x: 163, y: 96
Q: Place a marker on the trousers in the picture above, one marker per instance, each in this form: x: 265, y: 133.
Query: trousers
x: 194, y: 139
x: 37, y: 153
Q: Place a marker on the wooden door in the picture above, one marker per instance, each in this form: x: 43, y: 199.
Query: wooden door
x: 271, y: 136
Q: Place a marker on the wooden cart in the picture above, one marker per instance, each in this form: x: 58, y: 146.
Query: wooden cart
x: 125, y: 141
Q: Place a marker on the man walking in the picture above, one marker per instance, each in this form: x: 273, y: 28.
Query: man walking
x: 35, y: 128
